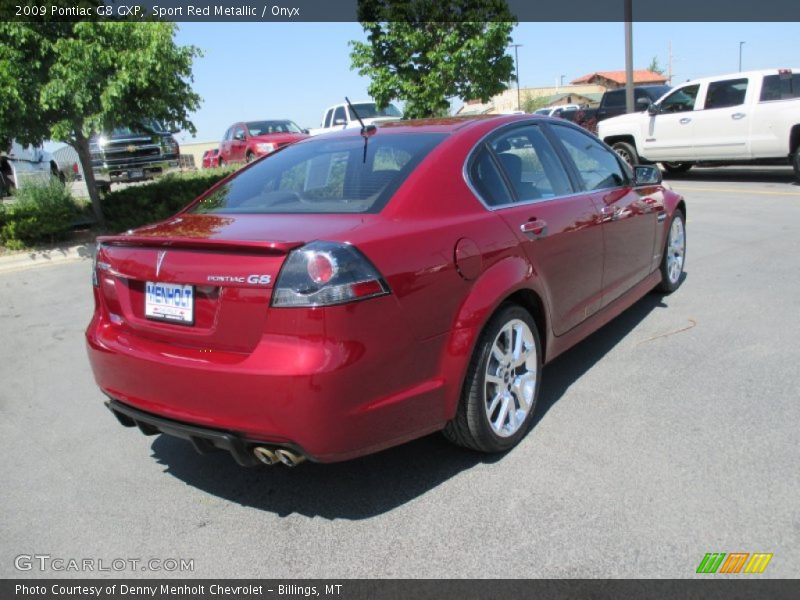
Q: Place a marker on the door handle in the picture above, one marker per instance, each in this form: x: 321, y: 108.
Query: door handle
x: 685, y: 121
x: 535, y: 228
x: 611, y: 211
x: 737, y: 116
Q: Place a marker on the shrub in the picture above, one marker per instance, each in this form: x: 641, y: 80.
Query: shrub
x: 139, y: 205
x: 41, y: 212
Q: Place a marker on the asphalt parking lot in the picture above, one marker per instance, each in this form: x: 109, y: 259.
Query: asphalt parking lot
x: 672, y: 432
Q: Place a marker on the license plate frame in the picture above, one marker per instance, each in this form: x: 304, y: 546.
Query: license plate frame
x: 169, y: 302
x: 136, y: 174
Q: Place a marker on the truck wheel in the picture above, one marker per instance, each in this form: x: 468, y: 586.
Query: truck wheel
x: 6, y: 185
x: 626, y: 152
x: 250, y: 157
x: 796, y: 164
x: 677, y: 167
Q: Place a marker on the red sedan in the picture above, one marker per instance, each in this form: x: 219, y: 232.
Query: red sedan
x: 244, y: 142
x: 354, y: 292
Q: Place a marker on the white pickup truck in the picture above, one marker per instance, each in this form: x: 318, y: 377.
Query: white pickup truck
x: 341, y: 116
x: 742, y: 118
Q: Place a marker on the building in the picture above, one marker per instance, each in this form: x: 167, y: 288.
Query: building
x: 611, y: 80
x: 506, y: 101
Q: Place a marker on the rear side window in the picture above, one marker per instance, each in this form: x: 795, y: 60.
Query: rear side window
x: 324, y: 176
x: 530, y: 164
x: 785, y: 86
x: 722, y: 94
x: 487, y: 179
x: 598, y: 167
x: 339, y: 114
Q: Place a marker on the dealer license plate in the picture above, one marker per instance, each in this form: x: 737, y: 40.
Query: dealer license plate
x: 169, y: 302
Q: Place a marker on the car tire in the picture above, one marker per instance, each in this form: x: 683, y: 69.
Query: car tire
x: 222, y: 163
x: 250, y: 157
x: 502, y: 384
x: 627, y: 152
x: 674, y: 258
x: 796, y: 164
x: 677, y: 167
x: 6, y: 185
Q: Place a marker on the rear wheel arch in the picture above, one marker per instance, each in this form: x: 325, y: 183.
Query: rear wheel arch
x: 477, y: 311
x: 794, y: 140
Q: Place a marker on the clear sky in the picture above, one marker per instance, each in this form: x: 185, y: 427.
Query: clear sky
x: 296, y: 70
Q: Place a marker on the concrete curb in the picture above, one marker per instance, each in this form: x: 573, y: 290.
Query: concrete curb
x: 44, y: 258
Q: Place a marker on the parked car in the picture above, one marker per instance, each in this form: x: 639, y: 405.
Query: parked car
x: 341, y: 116
x: 20, y: 165
x: 326, y: 303
x: 211, y: 158
x: 741, y: 118
x: 134, y: 152
x: 246, y: 141
x: 554, y: 111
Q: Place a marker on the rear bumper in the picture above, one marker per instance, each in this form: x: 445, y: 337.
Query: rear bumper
x: 330, y: 399
x: 203, y: 439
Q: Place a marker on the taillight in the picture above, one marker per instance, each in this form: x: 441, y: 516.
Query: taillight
x: 326, y: 273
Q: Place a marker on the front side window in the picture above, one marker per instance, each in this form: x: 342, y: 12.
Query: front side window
x: 598, y: 166
x: 530, y: 164
x: 324, y: 176
x: 681, y: 100
x: 328, y: 117
x: 722, y: 94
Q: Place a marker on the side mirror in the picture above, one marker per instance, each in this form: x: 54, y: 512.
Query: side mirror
x: 339, y: 121
x: 646, y: 175
x: 305, y: 131
x: 643, y: 103
x: 653, y: 109
x: 239, y: 136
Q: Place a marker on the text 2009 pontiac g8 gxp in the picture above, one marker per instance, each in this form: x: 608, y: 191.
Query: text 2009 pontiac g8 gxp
x: 352, y: 292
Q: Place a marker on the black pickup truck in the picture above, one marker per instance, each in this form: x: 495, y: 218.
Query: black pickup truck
x: 612, y: 104
x: 140, y: 151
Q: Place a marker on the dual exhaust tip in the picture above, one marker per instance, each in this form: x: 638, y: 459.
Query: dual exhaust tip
x: 273, y: 456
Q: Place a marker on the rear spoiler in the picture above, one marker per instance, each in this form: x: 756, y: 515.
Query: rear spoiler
x: 189, y: 243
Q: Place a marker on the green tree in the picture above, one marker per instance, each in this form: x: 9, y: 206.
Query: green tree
x: 64, y: 81
x: 533, y: 103
x: 655, y: 67
x: 424, y: 52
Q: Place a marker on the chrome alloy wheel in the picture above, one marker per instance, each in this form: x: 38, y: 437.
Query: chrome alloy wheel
x: 676, y: 249
x: 510, y: 382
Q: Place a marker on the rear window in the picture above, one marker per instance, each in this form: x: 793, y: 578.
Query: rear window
x: 780, y: 87
x: 324, y: 176
x: 614, y: 99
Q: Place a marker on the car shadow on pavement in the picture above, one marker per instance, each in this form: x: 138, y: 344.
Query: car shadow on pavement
x: 376, y: 484
x: 782, y: 175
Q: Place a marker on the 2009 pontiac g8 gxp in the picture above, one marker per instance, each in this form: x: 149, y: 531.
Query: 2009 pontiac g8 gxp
x: 357, y: 290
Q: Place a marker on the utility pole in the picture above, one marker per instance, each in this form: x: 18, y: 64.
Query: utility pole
x: 740, y: 56
x: 669, y: 63
x: 629, y: 56
x: 516, y: 67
